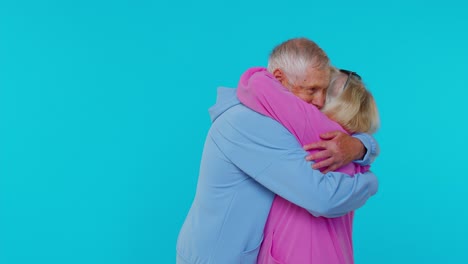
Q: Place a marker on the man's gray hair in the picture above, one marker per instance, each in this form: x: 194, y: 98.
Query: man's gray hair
x: 295, y: 56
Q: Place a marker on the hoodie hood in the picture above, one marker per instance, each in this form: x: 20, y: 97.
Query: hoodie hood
x: 227, y: 98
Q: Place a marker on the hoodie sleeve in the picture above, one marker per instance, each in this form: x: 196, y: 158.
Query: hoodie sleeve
x: 261, y: 92
x: 265, y: 151
x: 371, y: 146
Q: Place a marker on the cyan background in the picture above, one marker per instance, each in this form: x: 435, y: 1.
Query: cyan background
x: 103, y: 114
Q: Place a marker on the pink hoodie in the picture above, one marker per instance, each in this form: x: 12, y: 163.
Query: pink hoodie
x: 292, y: 235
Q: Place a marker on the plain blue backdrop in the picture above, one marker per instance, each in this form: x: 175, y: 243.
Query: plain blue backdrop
x: 103, y: 114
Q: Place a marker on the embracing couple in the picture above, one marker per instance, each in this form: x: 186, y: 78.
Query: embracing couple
x: 285, y: 164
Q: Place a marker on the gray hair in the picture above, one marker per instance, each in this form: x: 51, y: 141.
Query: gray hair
x: 295, y: 56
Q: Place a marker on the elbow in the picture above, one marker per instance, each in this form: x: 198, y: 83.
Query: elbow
x: 332, y: 204
x: 336, y: 197
x: 326, y: 203
x: 328, y: 212
x: 326, y: 208
x: 336, y: 206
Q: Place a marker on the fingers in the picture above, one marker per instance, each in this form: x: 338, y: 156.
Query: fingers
x: 324, y: 154
x: 316, y: 145
x: 330, y: 135
x: 323, y: 164
x: 328, y: 166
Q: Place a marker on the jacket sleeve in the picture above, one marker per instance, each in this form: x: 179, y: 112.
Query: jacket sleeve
x: 265, y: 151
x: 371, y: 146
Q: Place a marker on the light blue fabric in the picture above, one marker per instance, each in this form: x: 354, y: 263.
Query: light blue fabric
x: 372, y: 148
x: 248, y: 158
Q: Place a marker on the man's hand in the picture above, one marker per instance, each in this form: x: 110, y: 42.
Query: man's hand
x: 337, y: 149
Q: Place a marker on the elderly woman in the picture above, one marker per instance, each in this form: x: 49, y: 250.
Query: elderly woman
x: 292, y: 234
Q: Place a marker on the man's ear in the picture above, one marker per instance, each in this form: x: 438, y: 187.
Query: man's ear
x: 280, y: 76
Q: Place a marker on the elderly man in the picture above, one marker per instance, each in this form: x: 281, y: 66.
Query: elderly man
x: 248, y: 158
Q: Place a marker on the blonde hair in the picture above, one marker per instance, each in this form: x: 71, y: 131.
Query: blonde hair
x: 295, y: 56
x: 354, y: 108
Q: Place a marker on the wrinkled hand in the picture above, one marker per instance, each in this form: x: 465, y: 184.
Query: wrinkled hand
x: 336, y: 149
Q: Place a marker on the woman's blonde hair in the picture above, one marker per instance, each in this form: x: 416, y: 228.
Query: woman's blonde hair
x: 354, y: 108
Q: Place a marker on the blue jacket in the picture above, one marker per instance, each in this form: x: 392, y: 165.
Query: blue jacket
x: 247, y: 159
